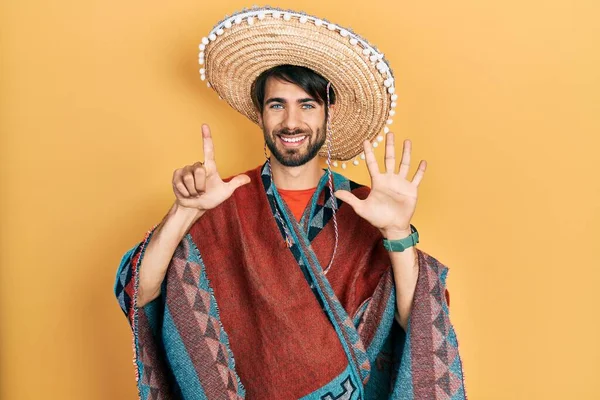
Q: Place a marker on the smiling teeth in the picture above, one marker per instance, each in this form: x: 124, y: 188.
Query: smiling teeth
x: 295, y: 140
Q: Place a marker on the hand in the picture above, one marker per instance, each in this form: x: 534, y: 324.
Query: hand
x: 393, y: 199
x: 199, y: 186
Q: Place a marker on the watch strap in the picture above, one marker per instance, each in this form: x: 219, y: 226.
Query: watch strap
x: 402, y: 244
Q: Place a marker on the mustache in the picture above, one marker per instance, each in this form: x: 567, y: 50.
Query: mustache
x: 287, y: 132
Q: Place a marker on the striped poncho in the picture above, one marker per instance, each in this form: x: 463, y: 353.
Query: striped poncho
x: 243, y: 314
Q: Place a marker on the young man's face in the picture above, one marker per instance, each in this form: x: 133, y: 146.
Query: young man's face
x: 293, y: 123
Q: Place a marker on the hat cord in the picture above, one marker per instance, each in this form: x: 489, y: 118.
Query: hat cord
x: 330, y: 181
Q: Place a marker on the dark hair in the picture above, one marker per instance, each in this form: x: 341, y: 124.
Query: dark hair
x: 307, y: 79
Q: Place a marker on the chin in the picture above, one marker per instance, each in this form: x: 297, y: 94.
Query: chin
x: 296, y: 160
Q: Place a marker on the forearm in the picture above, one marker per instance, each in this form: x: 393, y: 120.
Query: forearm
x: 405, y: 267
x: 160, y: 250
x: 406, y: 271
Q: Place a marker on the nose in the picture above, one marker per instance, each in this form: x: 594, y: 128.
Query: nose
x: 291, y: 120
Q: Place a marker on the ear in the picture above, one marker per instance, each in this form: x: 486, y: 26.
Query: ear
x: 260, y: 120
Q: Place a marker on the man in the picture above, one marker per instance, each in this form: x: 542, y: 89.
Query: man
x: 290, y: 281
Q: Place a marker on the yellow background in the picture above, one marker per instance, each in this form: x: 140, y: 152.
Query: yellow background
x: 101, y: 100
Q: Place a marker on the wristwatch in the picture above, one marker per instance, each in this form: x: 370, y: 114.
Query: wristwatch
x: 402, y: 244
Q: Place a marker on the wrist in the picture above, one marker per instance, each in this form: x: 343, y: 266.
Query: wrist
x: 185, y: 215
x: 399, y: 240
x: 396, y: 233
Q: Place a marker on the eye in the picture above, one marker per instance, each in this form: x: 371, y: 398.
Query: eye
x: 308, y: 106
x: 275, y: 105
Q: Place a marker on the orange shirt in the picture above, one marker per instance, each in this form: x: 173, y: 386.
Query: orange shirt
x: 297, y: 200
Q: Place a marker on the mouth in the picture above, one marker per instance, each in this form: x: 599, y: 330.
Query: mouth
x: 292, y: 141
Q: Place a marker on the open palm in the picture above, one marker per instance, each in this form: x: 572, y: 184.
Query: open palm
x: 393, y: 198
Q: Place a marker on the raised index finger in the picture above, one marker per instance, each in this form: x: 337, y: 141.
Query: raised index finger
x: 209, y: 149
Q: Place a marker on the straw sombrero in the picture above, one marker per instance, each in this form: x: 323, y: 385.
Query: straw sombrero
x: 242, y: 46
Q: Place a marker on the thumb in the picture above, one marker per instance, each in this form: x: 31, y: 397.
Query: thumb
x: 238, y: 181
x: 348, y: 198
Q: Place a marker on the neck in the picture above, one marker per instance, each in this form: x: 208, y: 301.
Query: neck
x: 306, y: 176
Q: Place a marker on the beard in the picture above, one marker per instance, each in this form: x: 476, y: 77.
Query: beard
x: 296, y: 157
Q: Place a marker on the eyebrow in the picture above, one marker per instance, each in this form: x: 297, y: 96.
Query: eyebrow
x: 284, y: 101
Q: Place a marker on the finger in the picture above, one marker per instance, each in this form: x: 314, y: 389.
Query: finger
x: 349, y: 199
x: 208, y: 146
x: 199, y: 177
x: 390, y: 154
x: 180, y: 190
x: 188, y: 180
x: 178, y: 185
x: 405, y: 161
x: 420, y: 173
x: 238, y: 181
x: 370, y: 158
